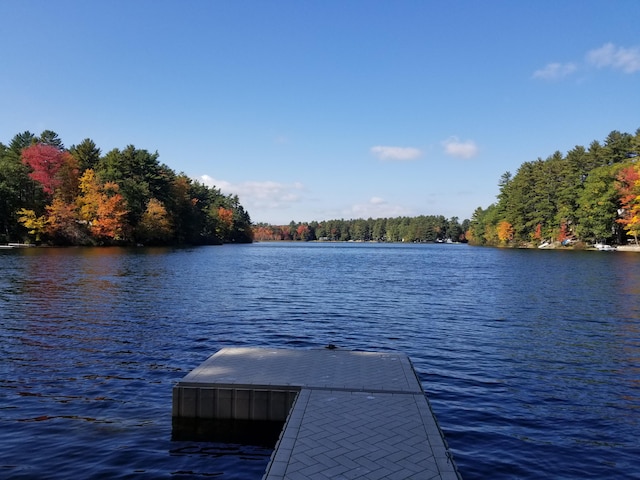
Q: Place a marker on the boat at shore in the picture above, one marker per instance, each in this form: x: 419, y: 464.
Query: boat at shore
x: 603, y: 247
x: 16, y: 245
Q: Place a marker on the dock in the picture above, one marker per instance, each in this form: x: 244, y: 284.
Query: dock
x: 346, y: 414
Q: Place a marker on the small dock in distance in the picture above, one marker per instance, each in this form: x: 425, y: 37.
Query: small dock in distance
x: 347, y: 414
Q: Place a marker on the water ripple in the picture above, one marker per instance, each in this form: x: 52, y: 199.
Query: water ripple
x: 530, y: 359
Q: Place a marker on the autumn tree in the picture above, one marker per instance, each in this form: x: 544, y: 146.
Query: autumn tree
x: 628, y: 187
x: 62, y: 225
x: 564, y: 233
x: 89, y: 197
x: 303, y: 232
x: 111, y: 223
x: 155, y: 226
x: 102, y: 208
x: 264, y: 232
x: 44, y: 161
x: 505, y: 232
x: 225, y: 221
x: 35, y: 225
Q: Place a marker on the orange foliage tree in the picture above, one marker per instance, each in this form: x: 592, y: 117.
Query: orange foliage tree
x: 110, y: 222
x: 628, y: 187
x: 62, y: 222
x: 538, y: 233
x: 264, y: 233
x: 505, y: 231
x: 225, y: 221
x: 102, y: 208
x: 226, y: 216
x: 565, y: 233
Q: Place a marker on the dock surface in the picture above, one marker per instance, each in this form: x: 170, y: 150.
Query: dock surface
x: 347, y: 414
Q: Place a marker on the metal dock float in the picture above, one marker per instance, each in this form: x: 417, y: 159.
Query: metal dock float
x: 347, y: 414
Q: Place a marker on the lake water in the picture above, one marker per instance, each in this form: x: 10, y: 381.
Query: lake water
x: 531, y: 359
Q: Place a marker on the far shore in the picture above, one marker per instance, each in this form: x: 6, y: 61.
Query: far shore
x: 628, y: 248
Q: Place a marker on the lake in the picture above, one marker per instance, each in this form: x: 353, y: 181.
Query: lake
x: 530, y: 359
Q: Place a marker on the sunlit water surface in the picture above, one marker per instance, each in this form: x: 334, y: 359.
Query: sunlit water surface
x: 531, y: 359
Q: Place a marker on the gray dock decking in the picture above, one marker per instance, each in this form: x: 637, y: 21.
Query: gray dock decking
x: 348, y: 414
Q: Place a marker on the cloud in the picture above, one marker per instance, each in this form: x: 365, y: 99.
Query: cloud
x: 618, y: 58
x: 262, y: 195
x: 376, y: 207
x: 456, y: 148
x: 395, y: 153
x: 555, y: 71
x: 609, y: 55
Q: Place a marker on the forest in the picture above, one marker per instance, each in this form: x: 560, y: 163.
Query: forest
x: 77, y: 196
x: 51, y: 195
x: 401, y: 229
x: 587, y: 196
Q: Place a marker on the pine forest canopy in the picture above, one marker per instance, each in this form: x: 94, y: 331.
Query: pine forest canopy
x: 78, y: 196
x: 588, y: 195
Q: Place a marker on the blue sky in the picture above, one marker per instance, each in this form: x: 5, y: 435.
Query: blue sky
x: 314, y: 110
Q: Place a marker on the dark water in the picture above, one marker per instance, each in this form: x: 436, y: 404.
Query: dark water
x: 531, y: 359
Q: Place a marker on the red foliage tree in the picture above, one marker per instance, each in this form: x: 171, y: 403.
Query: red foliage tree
x: 627, y: 185
x: 45, y: 161
x: 285, y: 233
x: 303, y: 232
x: 565, y: 233
x: 264, y: 233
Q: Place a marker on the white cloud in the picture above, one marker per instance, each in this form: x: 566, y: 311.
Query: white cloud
x: 555, y: 71
x: 259, y: 195
x: 224, y: 187
x: 395, y: 153
x: 456, y: 148
x: 376, y: 207
x: 619, y: 58
x: 609, y: 55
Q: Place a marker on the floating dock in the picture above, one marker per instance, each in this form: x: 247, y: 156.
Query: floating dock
x: 347, y: 414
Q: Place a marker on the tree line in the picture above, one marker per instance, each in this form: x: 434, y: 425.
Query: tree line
x: 77, y: 196
x: 401, y: 229
x: 588, y: 195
